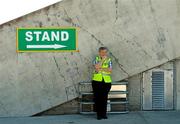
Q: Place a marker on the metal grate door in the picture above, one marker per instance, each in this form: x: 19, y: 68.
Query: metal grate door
x: 158, y: 90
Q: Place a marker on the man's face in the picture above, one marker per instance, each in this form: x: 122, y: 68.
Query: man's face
x: 103, y: 53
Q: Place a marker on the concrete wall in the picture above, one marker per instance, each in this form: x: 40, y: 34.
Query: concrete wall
x: 69, y: 107
x: 135, y: 92
x: 140, y: 34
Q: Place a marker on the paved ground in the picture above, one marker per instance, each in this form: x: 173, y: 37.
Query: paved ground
x: 157, y: 117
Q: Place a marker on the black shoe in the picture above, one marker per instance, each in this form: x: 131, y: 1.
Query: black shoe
x: 105, y: 117
x: 99, y: 118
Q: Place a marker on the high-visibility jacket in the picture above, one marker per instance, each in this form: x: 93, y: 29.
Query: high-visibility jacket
x: 99, y: 76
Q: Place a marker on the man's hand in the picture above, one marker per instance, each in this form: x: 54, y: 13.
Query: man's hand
x: 97, y: 67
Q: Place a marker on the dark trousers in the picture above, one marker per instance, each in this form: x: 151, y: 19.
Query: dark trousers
x: 100, y: 91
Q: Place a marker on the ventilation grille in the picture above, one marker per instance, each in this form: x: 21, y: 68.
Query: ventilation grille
x: 158, y: 90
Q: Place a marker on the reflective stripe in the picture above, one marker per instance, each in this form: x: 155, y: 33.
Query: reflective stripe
x: 105, y: 74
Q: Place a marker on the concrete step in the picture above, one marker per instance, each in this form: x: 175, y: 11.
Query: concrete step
x: 111, y: 112
x: 113, y: 102
x: 113, y: 83
x: 111, y: 92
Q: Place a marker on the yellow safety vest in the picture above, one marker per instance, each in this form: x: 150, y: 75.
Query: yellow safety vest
x: 99, y: 76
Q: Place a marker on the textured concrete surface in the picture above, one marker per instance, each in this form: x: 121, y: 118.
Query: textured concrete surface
x: 131, y: 118
x: 140, y: 34
x: 134, y: 92
x: 69, y: 107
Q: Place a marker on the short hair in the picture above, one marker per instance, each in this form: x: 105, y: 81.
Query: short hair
x: 103, y: 48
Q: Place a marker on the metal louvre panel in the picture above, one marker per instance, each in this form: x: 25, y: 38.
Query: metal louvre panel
x: 158, y: 90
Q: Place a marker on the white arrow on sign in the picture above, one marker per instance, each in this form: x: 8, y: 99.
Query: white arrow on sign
x: 55, y: 46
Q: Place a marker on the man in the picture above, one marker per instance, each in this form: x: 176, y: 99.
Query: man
x: 101, y: 82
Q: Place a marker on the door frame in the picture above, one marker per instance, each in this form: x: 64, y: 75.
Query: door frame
x: 147, y: 101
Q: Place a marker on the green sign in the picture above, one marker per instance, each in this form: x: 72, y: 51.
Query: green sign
x: 46, y: 39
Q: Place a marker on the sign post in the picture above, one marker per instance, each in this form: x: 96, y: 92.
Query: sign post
x: 46, y: 39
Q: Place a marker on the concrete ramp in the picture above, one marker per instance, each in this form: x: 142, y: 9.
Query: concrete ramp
x: 139, y: 34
